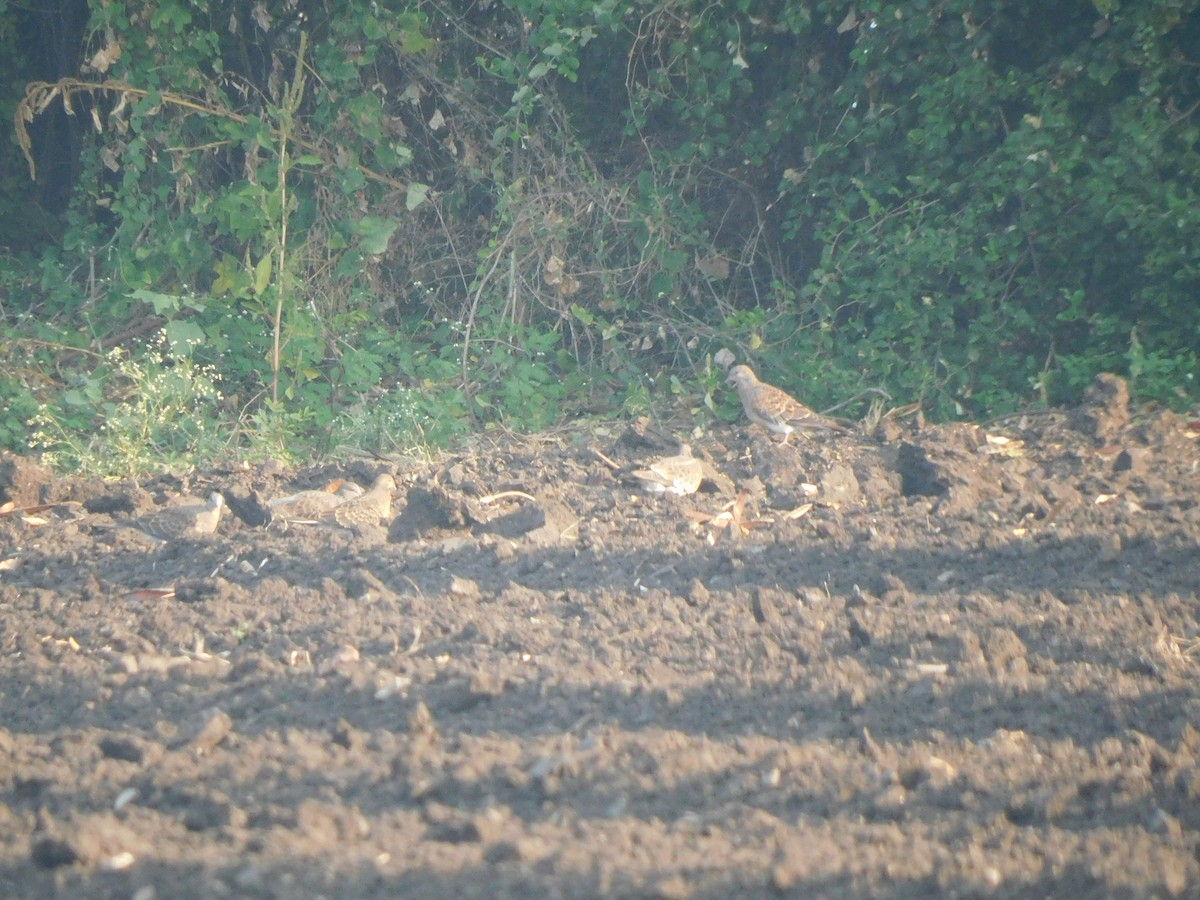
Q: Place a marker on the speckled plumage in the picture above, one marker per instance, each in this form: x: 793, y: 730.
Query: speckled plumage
x: 369, y: 509
x: 774, y: 409
x: 186, y: 519
x: 680, y: 474
x: 306, y: 507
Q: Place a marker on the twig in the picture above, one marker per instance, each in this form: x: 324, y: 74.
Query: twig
x: 492, y: 498
x: 608, y: 462
x: 40, y: 94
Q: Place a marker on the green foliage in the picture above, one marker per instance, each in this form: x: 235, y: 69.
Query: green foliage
x: 406, y: 421
x: 158, y: 412
x: 273, y: 429
x: 515, y: 371
x: 383, y: 228
x: 19, y: 407
x: 938, y: 179
x: 971, y: 250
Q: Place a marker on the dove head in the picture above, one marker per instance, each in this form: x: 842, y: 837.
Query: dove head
x: 742, y: 377
x: 216, y: 499
x: 384, y: 482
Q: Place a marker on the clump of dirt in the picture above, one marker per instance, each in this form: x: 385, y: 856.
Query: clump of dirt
x: 938, y: 660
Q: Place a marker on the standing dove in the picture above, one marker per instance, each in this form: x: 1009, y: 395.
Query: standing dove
x: 369, y: 509
x: 776, y: 410
x: 679, y: 474
x: 306, y: 507
x: 185, y: 520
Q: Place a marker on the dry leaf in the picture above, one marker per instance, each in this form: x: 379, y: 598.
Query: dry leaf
x: 261, y: 17
x: 713, y: 267
x: 999, y: 445
x: 150, y: 594
x: 730, y: 517
x: 798, y: 512
x: 103, y: 58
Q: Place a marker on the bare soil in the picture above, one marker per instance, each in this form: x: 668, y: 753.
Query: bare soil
x: 969, y: 668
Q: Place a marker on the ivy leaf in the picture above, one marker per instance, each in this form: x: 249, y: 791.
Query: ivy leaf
x: 375, y: 233
x: 231, y: 277
x: 674, y: 261
x: 413, y: 39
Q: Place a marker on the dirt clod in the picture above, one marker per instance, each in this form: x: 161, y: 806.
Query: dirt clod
x: 945, y: 661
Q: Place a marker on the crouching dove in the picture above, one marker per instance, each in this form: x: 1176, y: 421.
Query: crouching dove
x: 679, y: 474
x: 370, y: 509
x: 184, y: 520
x: 776, y: 410
x: 306, y: 507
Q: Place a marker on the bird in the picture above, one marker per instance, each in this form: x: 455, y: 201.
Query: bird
x: 680, y: 474
x: 186, y: 519
x: 368, y: 509
x: 775, y: 409
x: 305, y: 507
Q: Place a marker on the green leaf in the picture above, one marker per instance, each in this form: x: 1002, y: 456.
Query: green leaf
x: 375, y: 233
x: 412, y: 38
x: 674, y: 261
x: 262, y: 275
x: 231, y: 277
x: 182, y: 336
x: 416, y: 195
x: 661, y: 285
x: 372, y: 29
x: 164, y: 304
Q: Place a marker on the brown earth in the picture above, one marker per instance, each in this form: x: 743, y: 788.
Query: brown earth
x: 971, y: 668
